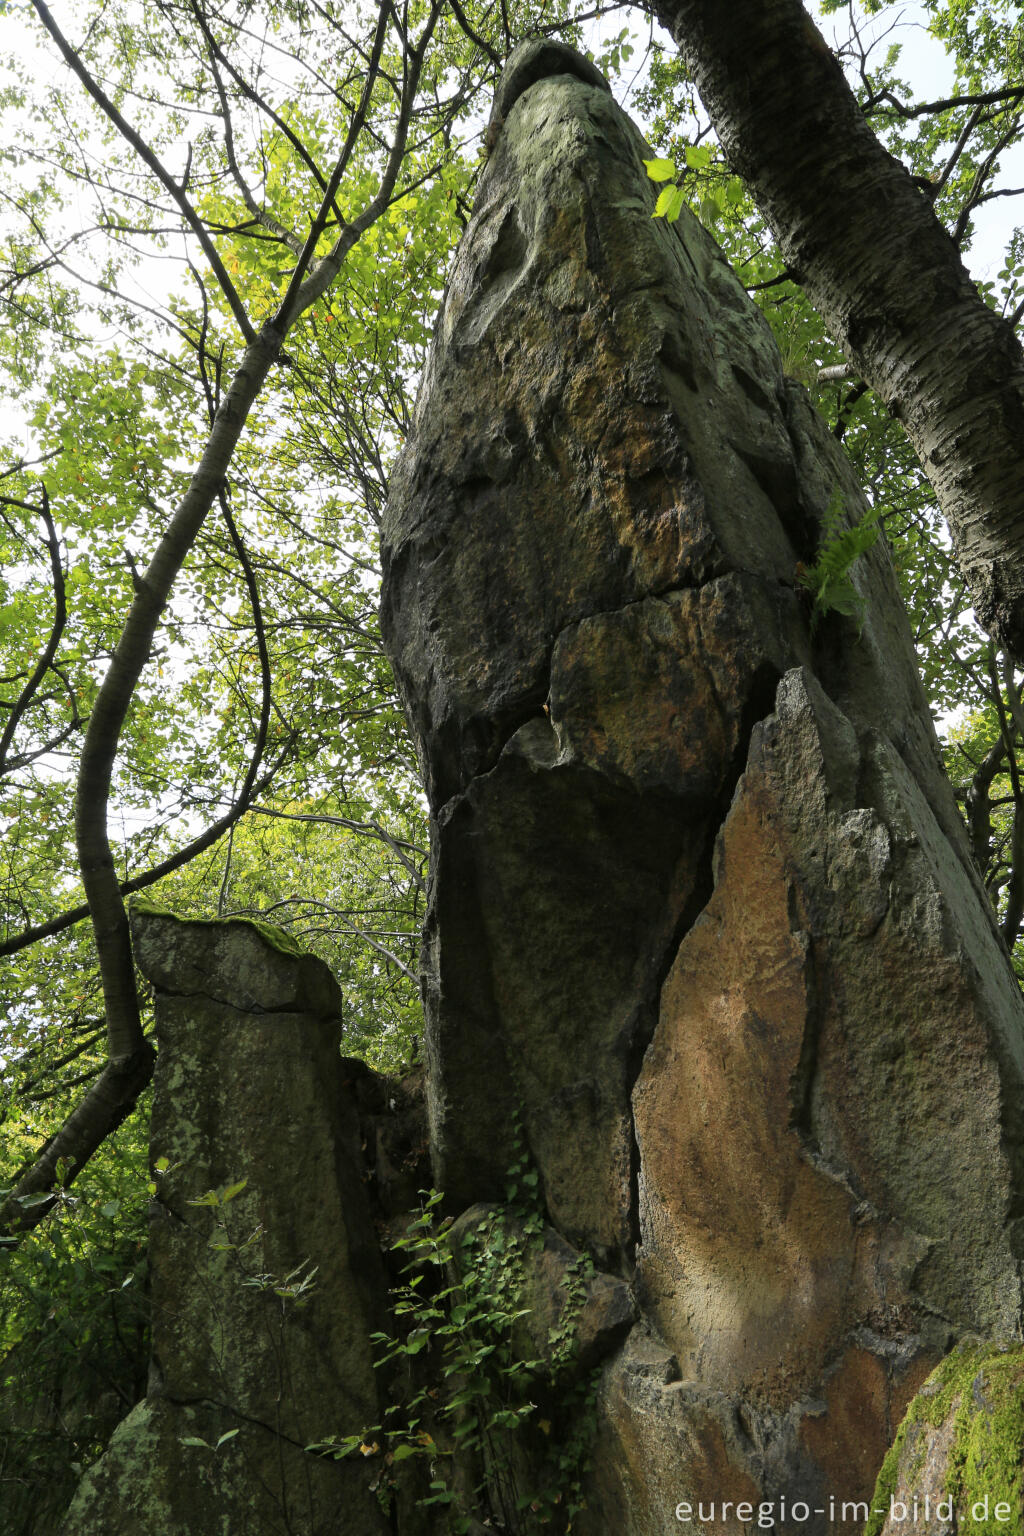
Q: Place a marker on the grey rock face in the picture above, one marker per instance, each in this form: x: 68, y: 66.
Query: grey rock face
x: 266, y: 1278
x: 248, y: 965
x: 702, y: 911
x: 569, y: 1309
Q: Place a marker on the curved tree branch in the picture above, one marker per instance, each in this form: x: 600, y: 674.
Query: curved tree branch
x: 176, y: 190
x: 214, y: 832
x: 129, y: 1068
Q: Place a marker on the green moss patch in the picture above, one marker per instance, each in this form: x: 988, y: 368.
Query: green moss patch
x: 982, y: 1387
x: 278, y: 938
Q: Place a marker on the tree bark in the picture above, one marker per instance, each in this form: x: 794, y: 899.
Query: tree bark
x: 888, y: 280
x: 130, y: 1065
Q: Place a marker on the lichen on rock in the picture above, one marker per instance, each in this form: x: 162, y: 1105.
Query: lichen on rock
x: 265, y: 1273
x: 243, y: 962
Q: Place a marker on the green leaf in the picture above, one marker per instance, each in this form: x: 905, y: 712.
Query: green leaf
x: 210, y: 1198
x: 661, y: 170
x: 670, y: 203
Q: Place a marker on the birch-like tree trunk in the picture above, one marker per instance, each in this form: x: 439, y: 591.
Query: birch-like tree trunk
x: 865, y: 242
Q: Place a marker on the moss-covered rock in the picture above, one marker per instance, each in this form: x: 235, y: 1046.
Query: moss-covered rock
x: 246, y: 963
x: 957, y: 1463
x: 266, y: 1276
x: 198, y: 1470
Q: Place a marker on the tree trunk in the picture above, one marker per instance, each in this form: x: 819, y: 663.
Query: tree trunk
x: 866, y: 244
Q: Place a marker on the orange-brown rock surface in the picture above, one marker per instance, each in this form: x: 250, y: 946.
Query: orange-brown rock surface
x: 702, y: 911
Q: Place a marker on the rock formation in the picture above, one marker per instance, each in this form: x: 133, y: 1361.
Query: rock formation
x: 704, y: 939
x: 266, y: 1275
x: 957, y: 1463
x: 702, y: 910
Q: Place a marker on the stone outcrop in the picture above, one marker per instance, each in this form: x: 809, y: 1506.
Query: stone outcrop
x: 702, y: 911
x: 705, y: 952
x: 266, y: 1275
x: 572, y: 1316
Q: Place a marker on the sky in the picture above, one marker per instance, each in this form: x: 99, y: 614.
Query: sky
x: 923, y: 62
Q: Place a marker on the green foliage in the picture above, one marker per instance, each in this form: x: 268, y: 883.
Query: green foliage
x: 715, y: 199
x: 981, y: 1386
x: 459, y: 1312
x: 827, y: 579
x: 73, y: 1333
x: 495, y: 1432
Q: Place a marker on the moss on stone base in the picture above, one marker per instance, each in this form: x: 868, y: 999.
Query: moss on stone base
x: 978, y: 1393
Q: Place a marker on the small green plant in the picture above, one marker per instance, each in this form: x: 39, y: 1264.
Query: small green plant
x: 562, y: 1340
x: 502, y: 1435
x: 458, y: 1312
x: 828, y: 580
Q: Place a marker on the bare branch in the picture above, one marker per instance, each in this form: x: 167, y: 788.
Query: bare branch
x: 56, y: 631
x: 836, y: 373
x: 978, y: 98
x: 397, y: 845
x: 474, y: 37
x: 74, y: 60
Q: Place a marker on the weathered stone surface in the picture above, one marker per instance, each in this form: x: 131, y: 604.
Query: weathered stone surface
x: 821, y: 1010
x: 536, y: 59
x: 827, y: 1124
x: 266, y: 1278
x: 249, y: 965
x: 546, y: 548
x: 547, y: 479
x: 592, y: 605
x: 151, y: 1482
x: 957, y: 1463
x: 393, y: 1131
x: 663, y: 1441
